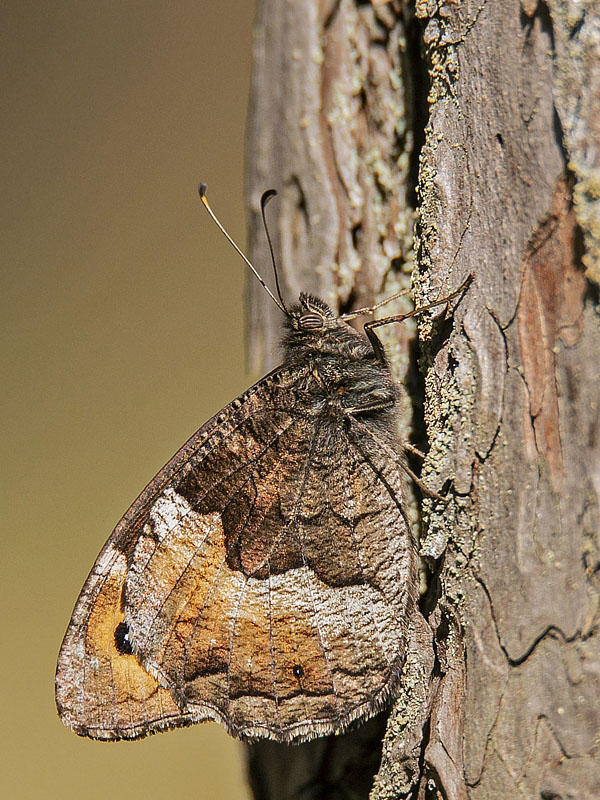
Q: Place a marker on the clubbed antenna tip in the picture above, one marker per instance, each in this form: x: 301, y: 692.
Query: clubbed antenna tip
x: 266, y: 197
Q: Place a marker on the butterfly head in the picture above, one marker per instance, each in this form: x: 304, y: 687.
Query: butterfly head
x: 313, y: 330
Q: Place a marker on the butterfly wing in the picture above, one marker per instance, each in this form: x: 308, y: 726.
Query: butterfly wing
x: 102, y: 690
x: 250, y: 583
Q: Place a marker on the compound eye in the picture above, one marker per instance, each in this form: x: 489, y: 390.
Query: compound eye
x: 311, y: 321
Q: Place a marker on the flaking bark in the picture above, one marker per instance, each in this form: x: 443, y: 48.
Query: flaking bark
x: 501, y: 696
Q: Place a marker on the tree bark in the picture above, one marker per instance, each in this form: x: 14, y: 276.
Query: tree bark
x: 500, y: 695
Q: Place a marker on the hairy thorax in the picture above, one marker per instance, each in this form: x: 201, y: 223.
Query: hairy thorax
x: 342, y: 373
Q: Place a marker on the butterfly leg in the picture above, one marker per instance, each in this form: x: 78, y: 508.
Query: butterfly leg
x: 370, y: 326
x: 371, y: 405
x: 412, y: 449
x: 358, y: 312
x: 422, y: 486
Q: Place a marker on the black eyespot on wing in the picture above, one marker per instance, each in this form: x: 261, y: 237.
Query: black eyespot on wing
x: 298, y: 671
x: 122, y: 642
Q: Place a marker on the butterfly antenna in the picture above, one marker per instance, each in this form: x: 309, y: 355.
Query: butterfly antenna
x: 202, y: 193
x: 266, y: 196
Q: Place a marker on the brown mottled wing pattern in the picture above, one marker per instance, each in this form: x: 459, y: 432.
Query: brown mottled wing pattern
x: 263, y: 579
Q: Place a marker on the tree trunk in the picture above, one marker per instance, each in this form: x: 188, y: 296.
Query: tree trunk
x: 501, y: 101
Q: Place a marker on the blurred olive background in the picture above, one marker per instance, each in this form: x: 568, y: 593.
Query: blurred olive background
x: 123, y: 332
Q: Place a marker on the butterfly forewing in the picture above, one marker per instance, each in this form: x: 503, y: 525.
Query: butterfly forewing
x: 263, y: 579
x: 102, y: 690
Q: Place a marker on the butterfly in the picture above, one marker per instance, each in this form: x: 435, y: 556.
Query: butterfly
x: 265, y: 577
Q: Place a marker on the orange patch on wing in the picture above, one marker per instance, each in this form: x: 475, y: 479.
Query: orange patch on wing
x: 111, y: 695
x: 179, y: 605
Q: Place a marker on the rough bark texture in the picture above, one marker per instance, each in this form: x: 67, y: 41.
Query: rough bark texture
x: 501, y: 695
